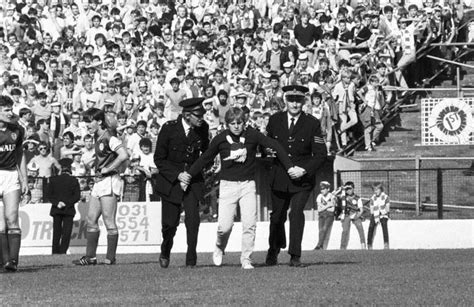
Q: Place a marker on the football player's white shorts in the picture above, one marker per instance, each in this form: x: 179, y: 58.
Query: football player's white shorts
x: 9, y: 181
x: 108, y: 186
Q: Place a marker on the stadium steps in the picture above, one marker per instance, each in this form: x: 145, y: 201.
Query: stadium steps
x: 405, y: 142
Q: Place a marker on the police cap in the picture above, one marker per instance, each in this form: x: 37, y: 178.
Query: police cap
x: 193, y: 105
x: 295, y: 92
x: 65, y: 163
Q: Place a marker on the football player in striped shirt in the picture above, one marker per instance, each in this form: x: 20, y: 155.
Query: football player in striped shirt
x: 13, y: 184
x: 110, y: 154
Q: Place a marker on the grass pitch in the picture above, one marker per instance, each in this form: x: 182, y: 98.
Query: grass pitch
x: 395, y: 277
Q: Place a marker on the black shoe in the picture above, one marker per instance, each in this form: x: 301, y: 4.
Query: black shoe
x: 190, y: 264
x: 295, y: 261
x: 318, y: 247
x: 164, y: 263
x: 272, y: 258
x: 85, y: 260
x: 11, y: 266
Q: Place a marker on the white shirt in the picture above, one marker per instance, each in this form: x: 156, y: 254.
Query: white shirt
x: 295, y: 117
x: 186, y: 127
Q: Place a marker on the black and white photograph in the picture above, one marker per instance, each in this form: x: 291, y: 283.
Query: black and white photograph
x: 236, y: 152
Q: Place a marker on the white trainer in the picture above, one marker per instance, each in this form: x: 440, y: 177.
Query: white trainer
x: 217, y: 256
x: 247, y: 265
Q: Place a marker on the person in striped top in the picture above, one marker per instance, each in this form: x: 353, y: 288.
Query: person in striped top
x: 379, y: 210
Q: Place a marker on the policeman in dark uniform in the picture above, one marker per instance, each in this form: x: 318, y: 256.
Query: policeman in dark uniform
x: 63, y: 192
x: 179, y: 145
x: 300, y: 135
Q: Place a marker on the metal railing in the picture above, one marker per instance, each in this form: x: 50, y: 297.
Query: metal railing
x: 419, y: 193
x: 133, y: 188
x: 395, y: 108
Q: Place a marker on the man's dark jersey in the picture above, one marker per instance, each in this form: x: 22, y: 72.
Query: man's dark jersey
x: 106, y: 150
x: 11, y: 141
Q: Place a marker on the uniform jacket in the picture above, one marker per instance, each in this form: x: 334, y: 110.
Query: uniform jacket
x: 174, y: 154
x: 305, y: 148
x: 63, y: 188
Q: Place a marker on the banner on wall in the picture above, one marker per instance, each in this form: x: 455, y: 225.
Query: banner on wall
x: 139, y: 224
x: 447, y: 121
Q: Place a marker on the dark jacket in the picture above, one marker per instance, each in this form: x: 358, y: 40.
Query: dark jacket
x: 305, y: 148
x: 63, y: 188
x: 174, y: 154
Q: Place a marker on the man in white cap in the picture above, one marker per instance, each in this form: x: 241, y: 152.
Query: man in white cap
x: 303, y: 65
x: 289, y: 76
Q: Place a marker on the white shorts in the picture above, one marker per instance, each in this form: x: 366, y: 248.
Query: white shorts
x: 9, y: 181
x: 108, y: 186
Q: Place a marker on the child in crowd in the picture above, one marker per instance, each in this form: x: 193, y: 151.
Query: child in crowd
x: 147, y: 165
x: 352, y: 209
x: 211, y: 116
x: 78, y: 168
x: 326, y: 202
x: 380, y: 213
x: 370, y: 111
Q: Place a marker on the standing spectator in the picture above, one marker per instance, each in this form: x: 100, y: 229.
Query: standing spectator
x: 173, y: 97
x: 46, y: 163
x: 133, y: 141
x: 63, y: 193
x: 380, y: 213
x: 326, y: 202
x: 352, y: 209
x: 68, y: 149
x: 306, y: 36
x: 344, y: 95
x: 44, y: 133
x: 25, y: 117
x: 370, y: 111
x: 88, y: 154
x: 41, y: 109
x: 146, y: 165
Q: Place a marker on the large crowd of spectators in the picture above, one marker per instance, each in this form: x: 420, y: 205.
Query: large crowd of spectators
x: 138, y: 60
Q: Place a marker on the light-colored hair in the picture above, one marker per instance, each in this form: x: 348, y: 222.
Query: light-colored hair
x: 234, y: 113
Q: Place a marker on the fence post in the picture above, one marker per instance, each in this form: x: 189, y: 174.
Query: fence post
x: 338, y: 178
x: 417, y: 185
x: 388, y: 181
x: 439, y: 184
x: 458, y: 85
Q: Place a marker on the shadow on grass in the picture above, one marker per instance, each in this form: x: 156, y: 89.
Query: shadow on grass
x: 34, y: 269
x: 309, y: 264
